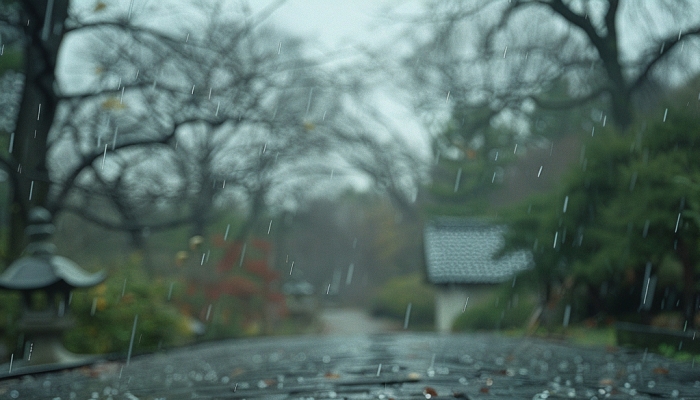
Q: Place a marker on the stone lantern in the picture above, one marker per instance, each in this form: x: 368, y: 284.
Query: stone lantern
x: 39, y: 271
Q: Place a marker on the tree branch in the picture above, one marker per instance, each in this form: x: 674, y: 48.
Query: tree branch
x: 569, y: 103
x: 667, y: 44
x: 115, y: 226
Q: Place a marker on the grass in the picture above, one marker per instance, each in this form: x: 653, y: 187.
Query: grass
x: 582, y: 335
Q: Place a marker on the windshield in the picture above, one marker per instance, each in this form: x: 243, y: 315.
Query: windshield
x: 360, y: 198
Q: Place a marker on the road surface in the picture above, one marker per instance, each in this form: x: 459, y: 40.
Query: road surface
x: 351, y: 321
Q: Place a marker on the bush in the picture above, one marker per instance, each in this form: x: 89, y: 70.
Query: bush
x: 504, y: 310
x: 105, y: 314
x: 393, y: 298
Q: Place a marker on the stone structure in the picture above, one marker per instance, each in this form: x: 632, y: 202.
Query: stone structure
x: 42, y: 273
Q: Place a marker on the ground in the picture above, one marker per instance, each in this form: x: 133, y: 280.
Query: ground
x: 372, y: 366
x: 349, y: 321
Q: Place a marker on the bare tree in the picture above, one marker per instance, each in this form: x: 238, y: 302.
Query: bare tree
x: 504, y: 59
x: 165, y: 123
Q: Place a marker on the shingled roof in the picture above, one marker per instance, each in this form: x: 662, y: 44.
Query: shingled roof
x: 460, y: 251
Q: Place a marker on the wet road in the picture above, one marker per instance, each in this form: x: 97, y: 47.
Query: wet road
x: 392, y: 366
x: 350, y: 321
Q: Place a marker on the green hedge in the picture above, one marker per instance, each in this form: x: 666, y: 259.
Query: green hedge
x: 503, y: 310
x: 109, y: 327
x: 393, y: 298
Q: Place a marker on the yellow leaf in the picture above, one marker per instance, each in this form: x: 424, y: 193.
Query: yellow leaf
x: 309, y: 126
x: 113, y: 103
x: 99, y: 6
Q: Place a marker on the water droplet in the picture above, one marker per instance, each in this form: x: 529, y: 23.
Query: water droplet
x: 407, y: 316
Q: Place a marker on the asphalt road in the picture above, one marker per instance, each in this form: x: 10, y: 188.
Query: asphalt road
x: 351, y: 321
x: 385, y: 366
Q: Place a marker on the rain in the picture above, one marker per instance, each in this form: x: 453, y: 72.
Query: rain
x: 277, y: 199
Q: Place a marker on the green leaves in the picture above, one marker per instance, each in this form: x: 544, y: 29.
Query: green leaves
x: 630, y: 200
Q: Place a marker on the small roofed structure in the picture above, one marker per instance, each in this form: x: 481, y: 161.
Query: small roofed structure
x: 42, y: 271
x: 461, y: 261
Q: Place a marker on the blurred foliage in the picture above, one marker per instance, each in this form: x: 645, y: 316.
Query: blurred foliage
x: 504, y: 309
x: 105, y: 314
x: 628, y: 203
x: 11, y: 59
x: 393, y: 298
x: 474, y: 149
x: 9, y: 314
x: 232, y: 289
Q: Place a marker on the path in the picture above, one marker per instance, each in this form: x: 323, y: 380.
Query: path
x: 398, y: 365
x: 351, y: 321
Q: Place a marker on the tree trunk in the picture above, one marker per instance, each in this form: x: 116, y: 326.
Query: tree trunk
x: 44, y: 33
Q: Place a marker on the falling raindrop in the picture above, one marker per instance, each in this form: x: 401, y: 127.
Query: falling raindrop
x: 38, y: 114
x: 515, y: 150
x: 567, y: 315
x: 131, y: 342
x: 12, y: 359
x: 328, y: 289
x: 269, y: 227
x: 114, y: 140
x: 505, y: 51
x: 94, y: 307
x: 379, y: 369
x: 31, y: 189
x: 407, y: 316
x: 240, y: 262
x: 291, y: 268
x: 124, y: 287
x: 170, y: 291
x: 665, y: 114
x: 566, y: 203
x: 208, y: 313
x: 348, y: 278
x: 556, y: 236
x: 605, y: 118
x: 12, y: 142
x: 540, y: 171
x: 678, y: 221
x: 448, y: 97
x: 646, y: 229
x: 228, y: 227
x: 104, y: 157
x: 465, y: 305
x: 633, y: 180
x: 593, y: 131
x: 279, y: 47
x: 308, y: 104
x: 459, y: 176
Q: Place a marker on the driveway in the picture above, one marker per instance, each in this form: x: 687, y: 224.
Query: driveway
x: 360, y: 367
x: 352, y: 321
